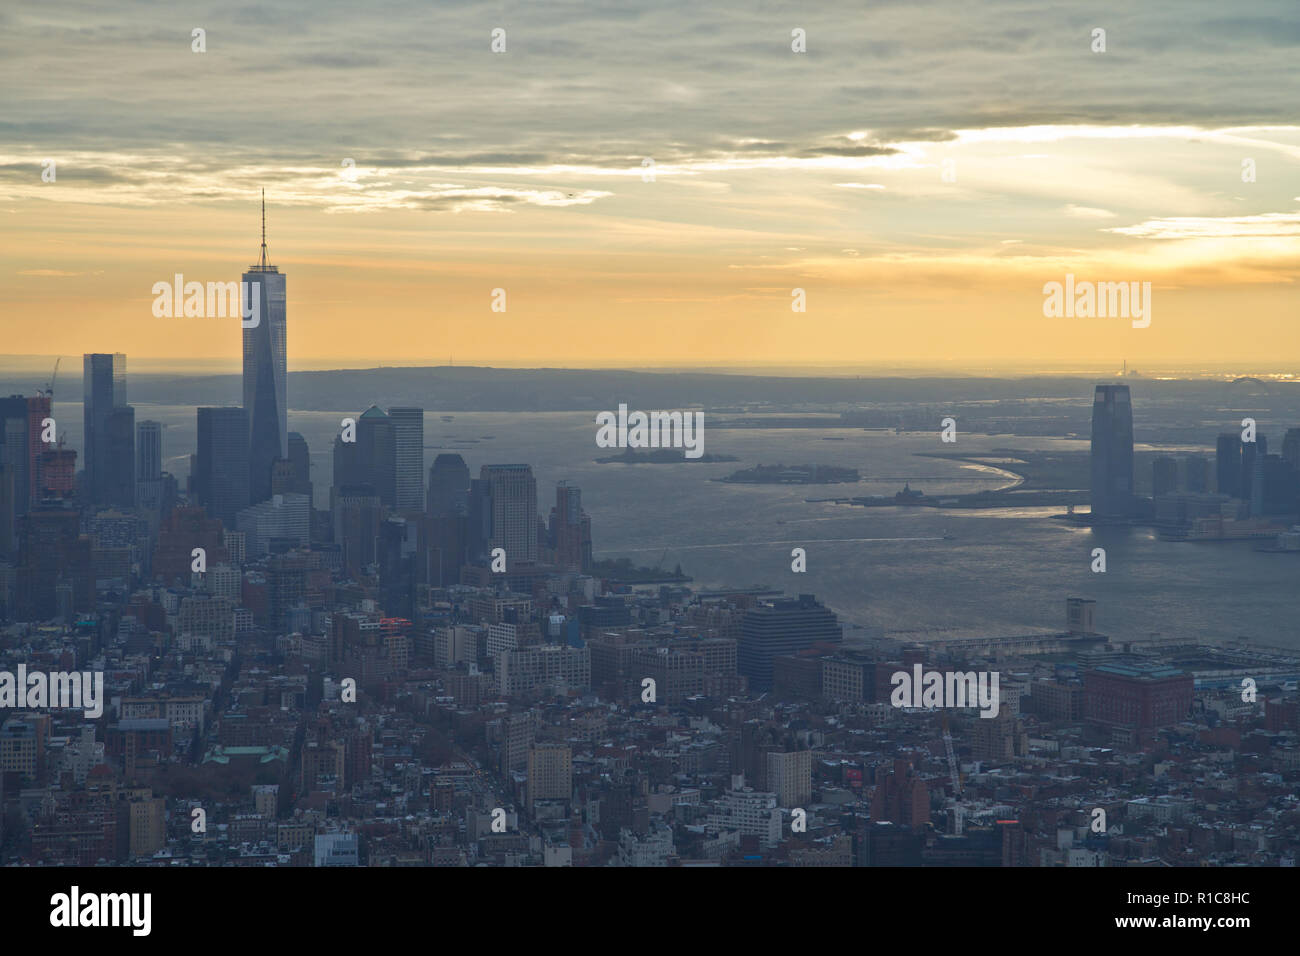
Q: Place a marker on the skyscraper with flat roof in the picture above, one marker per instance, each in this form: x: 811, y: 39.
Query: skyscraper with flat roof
x: 1252, y: 455
x: 377, y: 454
x: 119, y: 471
x: 1291, y: 447
x: 514, y: 510
x: 148, y: 451
x: 300, y: 460
x: 15, y: 441
x: 570, y: 529
x: 780, y: 627
x: 408, y: 442
x: 39, y: 407
x: 478, y: 526
x: 1196, y: 474
x: 104, y: 388
x: 1227, y: 464
x: 265, y: 373
x: 1112, y: 453
x: 448, y: 485
x: 222, y: 475
x: 1164, y: 475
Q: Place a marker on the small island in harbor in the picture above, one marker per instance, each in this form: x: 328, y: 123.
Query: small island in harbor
x: 658, y: 456
x: 793, y: 475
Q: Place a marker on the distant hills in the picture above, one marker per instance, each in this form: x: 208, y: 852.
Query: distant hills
x: 484, y: 389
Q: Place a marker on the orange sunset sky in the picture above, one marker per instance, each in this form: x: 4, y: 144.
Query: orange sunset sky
x: 919, y: 176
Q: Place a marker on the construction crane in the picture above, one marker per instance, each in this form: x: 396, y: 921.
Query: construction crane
x: 49, y: 386
x: 954, y: 776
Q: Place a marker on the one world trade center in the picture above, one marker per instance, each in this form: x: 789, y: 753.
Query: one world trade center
x: 265, y: 366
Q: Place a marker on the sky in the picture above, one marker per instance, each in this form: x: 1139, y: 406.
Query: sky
x: 650, y: 183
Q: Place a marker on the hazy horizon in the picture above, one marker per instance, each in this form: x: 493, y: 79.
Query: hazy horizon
x: 40, y: 364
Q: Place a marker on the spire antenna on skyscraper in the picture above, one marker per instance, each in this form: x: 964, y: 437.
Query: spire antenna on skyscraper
x: 266, y: 349
x: 263, y: 228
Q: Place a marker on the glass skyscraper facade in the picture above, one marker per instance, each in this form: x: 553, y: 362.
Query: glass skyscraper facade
x: 265, y: 373
x: 514, y: 510
x: 1112, y: 452
x: 408, y: 438
x: 104, y: 389
x: 221, y: 479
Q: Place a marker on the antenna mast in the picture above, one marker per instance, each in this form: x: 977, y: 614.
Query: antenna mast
x: 263, y: 228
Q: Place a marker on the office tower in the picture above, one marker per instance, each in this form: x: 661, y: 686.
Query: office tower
x: 278, y: 524
x: 221, y: 480
x: 1276, y: 487
x: 448, y: 486
x: 514, y: 511
x: 789, y: 776
x: 58, y: 473
x: 1251, y: 453
x: 445, y: 548
x: 300, y: 459
x: 265, y: 373
x: 14, y: 449
x: 282, y: 477
x: 1164, y: 475
x: 1227, y: 464
x: 8, y: 514
x: 478, y: 531
x: 119, y: 471
x: 570, y: 529
x: 148, y: 466
x: 104, y: 384
x: 39, y: 408
x: 53, y: 553
x: 377, y: 454
x: 400, y: 563
x: 347, y: 465
x: 1112, y: 453
x: 187, y: 528
x: 408, y: 453
x: 550, y: 772
x: 1291, y: 447
x: 1196, y: 474
x: 783, y: 626
x: 357, y: 513
x: 148, y: 450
